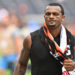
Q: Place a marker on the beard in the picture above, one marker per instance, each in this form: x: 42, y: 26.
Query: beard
x: 53, y: 25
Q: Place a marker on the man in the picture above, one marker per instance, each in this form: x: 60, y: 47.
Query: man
x: 42, y: 46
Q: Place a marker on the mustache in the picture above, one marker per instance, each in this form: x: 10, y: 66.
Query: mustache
x: 51, y: 20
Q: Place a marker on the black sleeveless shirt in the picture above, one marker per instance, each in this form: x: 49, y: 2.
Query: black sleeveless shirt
x: 42, y: 63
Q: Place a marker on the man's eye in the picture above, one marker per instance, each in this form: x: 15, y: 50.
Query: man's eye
x: 55, y: 14
x: 48, y: 14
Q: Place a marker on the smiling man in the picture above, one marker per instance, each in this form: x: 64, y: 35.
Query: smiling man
x: 50, y: 48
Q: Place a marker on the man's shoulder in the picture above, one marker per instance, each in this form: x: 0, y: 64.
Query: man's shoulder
x: 35, y: 33
x: 69, y: 33
x: 70, y: 36
x: 27, y: 41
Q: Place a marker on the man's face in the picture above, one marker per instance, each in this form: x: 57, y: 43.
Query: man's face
x: 53, y: 16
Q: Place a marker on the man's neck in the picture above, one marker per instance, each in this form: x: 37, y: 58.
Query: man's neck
x: 55, y: 31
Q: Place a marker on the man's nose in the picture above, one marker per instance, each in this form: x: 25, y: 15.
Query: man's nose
x: 51, y: 16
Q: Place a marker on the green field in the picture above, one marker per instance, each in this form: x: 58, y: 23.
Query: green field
x: 8, y: 72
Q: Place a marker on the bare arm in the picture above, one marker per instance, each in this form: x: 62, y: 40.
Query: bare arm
x: 21, y: 66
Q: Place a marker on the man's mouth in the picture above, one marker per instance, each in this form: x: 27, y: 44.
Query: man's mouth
x: 52, y: 22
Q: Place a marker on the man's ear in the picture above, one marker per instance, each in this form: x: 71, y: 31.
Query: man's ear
x: 44, y: 16
x: 63, y: 17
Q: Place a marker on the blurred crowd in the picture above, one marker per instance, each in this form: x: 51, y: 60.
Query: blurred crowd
x: 12, y: 33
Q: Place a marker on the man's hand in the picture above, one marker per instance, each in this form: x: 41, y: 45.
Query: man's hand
x: 69, y: 64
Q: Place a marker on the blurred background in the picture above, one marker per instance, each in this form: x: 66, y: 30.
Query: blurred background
x: 20, y: 17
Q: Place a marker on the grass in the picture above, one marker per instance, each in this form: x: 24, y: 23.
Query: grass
x: 8, y: 72
x: 28, y: 72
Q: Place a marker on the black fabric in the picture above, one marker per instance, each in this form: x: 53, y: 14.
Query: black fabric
x: 53, y: 47
x: 70, y: 41
x: 42, y: 63
x: 57, y: 39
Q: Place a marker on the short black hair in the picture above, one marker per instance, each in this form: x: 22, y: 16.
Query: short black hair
x: 57, y: 4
